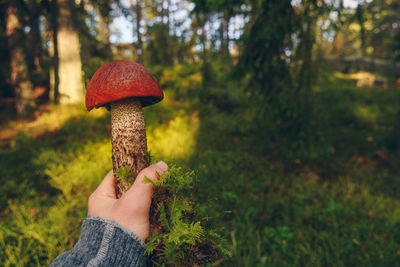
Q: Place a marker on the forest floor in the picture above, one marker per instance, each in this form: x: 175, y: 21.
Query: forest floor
x: 339, y: 208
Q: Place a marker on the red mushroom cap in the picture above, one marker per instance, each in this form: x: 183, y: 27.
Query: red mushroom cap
x: 119, y: 80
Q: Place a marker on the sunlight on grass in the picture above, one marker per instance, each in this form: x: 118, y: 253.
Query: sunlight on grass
x: 74, y: 164
x: 187, y: 76
x: 176, y: 73
x: 51, y: 118
x: 367, y: 114
x: 176, y: 140
x: 355, y: 76
x: 54, y: 228
x: 81, y: 170
x: 272, y: 217
x: 362, y: 78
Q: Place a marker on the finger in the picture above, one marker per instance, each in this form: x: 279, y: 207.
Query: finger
x: 107, y: 186
x: 152, y: 172
x: 145, y: 190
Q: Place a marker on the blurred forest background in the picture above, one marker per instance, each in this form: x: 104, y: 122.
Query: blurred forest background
x: 288, y: 112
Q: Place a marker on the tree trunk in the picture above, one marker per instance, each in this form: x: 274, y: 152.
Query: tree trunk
x: 307, y: 42
x: 224, y: 34
x: 169, y: 43
x: 205, y: 70
x: 136, y: 11
x: 104, y: 27
x: 19, y: 72
x: 69, y: 59
x: 105, y: 32
x: 35, y: 47
x: 398, y: 134
x: 360, y: 20
x: 54, y: 78
x: 203, y: 38
x: 221, y: 35
x: 139, y: 35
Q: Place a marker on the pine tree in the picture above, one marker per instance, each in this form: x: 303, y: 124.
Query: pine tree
x: 23, y: 88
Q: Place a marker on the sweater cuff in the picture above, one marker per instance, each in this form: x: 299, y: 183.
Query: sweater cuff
x: 119, y: 246
x: 104, y: 243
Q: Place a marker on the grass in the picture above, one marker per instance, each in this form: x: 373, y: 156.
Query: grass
x: 275, y: 206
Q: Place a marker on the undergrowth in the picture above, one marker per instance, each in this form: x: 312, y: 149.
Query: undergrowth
x: 180, y: 237
x: 336, y: 205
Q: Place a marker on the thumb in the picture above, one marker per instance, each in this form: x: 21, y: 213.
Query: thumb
x: 143, y: 190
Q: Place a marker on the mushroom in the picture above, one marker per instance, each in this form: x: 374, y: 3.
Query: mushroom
x: 124, y: 87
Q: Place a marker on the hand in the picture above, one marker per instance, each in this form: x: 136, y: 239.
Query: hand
x: 132, y: 209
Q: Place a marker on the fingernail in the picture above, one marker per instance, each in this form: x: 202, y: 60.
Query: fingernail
x: 162, y: 166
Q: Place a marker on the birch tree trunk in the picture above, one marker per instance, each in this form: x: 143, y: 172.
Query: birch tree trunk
x: 23, y: 88
x: 69, y: 59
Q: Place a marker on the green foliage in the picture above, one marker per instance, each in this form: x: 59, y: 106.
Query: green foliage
x: 277, y: 238
x: 160, y: 47
x: 266, y: 38
x: 282, y: 102
x: 273, y: 206
x: 396, y: 45
x: 47, y: 181
x: 181, y: 237
x: 91, y: 65
x: 125, y: 174
x: 295, y: 165
x: 40, y: 225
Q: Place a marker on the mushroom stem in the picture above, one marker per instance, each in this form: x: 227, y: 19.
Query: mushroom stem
x: 128, y: 139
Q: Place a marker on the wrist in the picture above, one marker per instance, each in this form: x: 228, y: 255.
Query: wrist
x: 115, y: 224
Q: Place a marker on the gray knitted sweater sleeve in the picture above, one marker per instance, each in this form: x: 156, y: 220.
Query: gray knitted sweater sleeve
x: 103, y: 243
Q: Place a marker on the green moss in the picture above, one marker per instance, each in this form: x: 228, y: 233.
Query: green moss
x: 125, y: 174
x: 179, y: 236
x: 340, y: 210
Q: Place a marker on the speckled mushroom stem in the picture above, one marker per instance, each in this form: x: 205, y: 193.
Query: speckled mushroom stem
x: 128, y: 139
